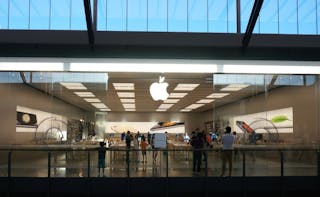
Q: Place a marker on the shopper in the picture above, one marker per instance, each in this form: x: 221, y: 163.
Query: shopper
x: 227, y: 141
x: 143, y: 146
x: 128, y: 139
x: 101, y: 158
x: 197, y: 145
x: 154, y: 150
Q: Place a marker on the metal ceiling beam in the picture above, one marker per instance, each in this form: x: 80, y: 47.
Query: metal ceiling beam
x: 90, y: 26
x: 252, y: 22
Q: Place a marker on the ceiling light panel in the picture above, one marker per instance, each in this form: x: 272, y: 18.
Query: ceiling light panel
x: 161, y: 109
x: 177, y: 95
x: 127, y: 100
x: 217, y: 95
x: 130, y: 109
x: 194, y: 106
x: 186, y: 110
x: 128, y: 105
x: 186, y: 87
x: 92, y: 100
x: 84, y: 94
x: 126, y: 94
x: 234, y: 87
x: 74, y: 86
x: 205, y: 101
x: 171, y: 101
x: 105, y: 109
x: 165, y: 106
x: 99, y: 105
x: 123, y: 86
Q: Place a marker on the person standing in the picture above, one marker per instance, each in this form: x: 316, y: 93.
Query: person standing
x: 227, y: 149
x: 197, y: 146
x: 101, y: 158
x: 143, y: 146
x: 128, y: 139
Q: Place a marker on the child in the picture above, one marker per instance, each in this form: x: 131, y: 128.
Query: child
x: 143, y: 146
x: 101, y: 158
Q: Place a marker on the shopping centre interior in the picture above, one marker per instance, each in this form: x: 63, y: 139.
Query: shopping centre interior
x: 78, y: 73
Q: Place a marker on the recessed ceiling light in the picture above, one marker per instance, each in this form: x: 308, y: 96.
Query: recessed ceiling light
x: 186, y: 87
x: 92, y: 100
x: 185, y: 110
x: 217, y: 95
x: 123, y: 86
x: 130, y: 109
x: 177, y: 95
x: 74, y: 86
x: 194, y: 106
x: 205, y: 101
x: 161, y: 109
x: 126, y: 94
x: 128, y: 105
x: 99, y: 105
x: 127, y: 100
x: 165, y: 106
x: 171, y: 101
x: 234, y: 87
x: 105, y: 109
x: 84, y: 94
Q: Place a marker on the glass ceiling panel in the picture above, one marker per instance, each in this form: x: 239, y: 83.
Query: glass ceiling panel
x: 216, y: 16
x: 222, y: 79
x: 55, y: 77
x: 10, y: 77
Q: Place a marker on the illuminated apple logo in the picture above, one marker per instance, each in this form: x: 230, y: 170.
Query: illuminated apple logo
x: 158, y: 91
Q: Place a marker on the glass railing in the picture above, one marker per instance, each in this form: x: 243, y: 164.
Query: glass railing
x: 83, y: 162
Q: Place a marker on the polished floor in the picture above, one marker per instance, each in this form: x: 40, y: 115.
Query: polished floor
x: 80, y: 163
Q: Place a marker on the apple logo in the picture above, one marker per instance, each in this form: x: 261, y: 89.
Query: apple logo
x: 158, y: 91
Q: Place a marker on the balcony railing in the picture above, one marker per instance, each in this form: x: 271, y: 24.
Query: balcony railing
x: 79, y: 161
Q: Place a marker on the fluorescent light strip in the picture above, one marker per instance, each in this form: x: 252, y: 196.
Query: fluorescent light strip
x: 165, y: 106
x: 177, y: 95
x: 105, y: 109
x: 99, y: 105
x: 185, y: 110
x: 84, y: 94
x: 32, y: 66
x: 123, y: 86
x: 161, y: 109
x: 185, y: 87
x: 128, y: 105
x: 125, y: 94
x: 205, y: 101
x: 171, y: 101
x: 127, y: 100
x: 217, y: 95
x: 194, y: 106
x: 153, y: 66
x: 159, y: 65
x: 234, y: 87
x: 74, y: 86
x: 92, y: 100
x: 130, y: 109
x: 271, y: 69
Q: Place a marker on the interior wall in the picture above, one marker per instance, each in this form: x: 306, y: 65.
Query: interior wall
x: 23, y: 95
x: 303, y: 99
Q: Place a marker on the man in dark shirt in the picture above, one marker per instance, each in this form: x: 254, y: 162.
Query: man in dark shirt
x: 197, y: 145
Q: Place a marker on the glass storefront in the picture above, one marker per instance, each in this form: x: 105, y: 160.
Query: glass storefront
x: 59, y: 117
